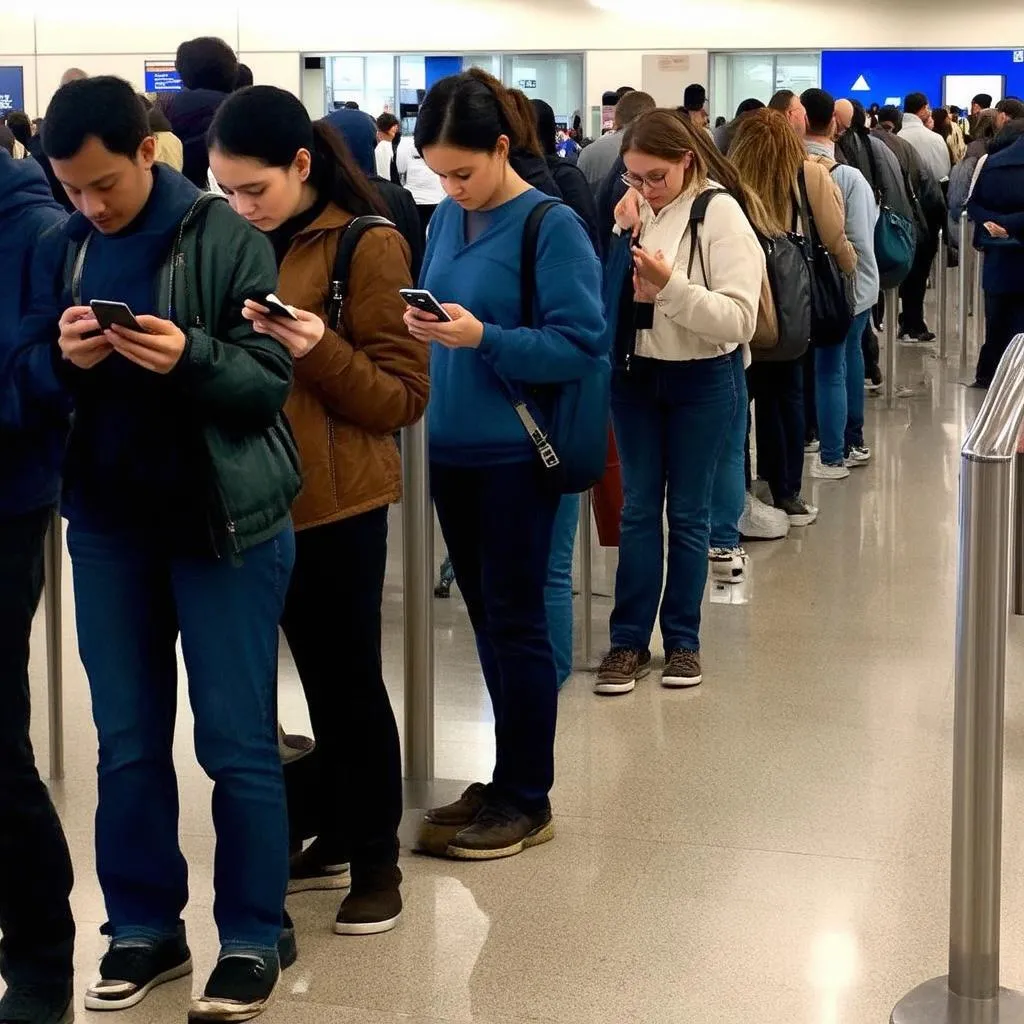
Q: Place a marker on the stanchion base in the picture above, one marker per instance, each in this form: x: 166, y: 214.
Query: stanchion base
x: 933, y: 1003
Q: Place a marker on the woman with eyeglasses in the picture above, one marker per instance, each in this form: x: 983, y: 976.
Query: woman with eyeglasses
x: 678, y: 382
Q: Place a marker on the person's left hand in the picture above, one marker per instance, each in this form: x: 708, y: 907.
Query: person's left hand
x: 996, y: 230
x: 158, y: 349
x: 464, y: 330
x: 299, y: 336
x: 653, y: 269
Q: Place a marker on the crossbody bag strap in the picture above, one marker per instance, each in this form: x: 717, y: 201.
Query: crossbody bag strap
x: 810, y: 228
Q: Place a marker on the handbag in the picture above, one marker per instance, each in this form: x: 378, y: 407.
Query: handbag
x: 830, y: 311
x: 567, y: 423
x: 895, y: 237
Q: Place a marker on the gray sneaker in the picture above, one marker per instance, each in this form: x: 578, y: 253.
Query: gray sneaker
x: 682, y: 670
x: 621, y: 669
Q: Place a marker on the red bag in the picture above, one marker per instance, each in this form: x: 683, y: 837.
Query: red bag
x: 608, y: 500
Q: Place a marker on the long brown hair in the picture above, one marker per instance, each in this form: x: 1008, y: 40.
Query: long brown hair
x: 768, y: 156
x: 664, y: 134
x: 529, y: 140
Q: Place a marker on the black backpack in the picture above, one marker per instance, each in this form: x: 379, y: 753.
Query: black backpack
x: 354, y: 231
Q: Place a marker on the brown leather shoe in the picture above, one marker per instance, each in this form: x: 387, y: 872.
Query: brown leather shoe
x: 441, y: 824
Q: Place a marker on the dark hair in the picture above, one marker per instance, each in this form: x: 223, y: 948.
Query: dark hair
x: 1012, y: 107
x: 954, y: 110
x: 891, y: 115
x: 264, y: 123
x: 244, y: 77
x: 547, y: 130
x: 781, y: 100
x: 859, y: 121
x: 821, y: 109
x: 623, y: 89
x: 748, y: 105
x: 20, y: 125
x: 528, y: 119
x: 7, y: 139
x: 942, y: 125
x: 985, y: 126
x: 386, y: 122
x: 694, y: 97
x: 351, y: 105
x: 207, y: 63
x: 106, y: 107
x: 157, y: 118
x: 471, y: 111
x: 719, y: 121
x: 983, y: 99
x: 915, y: 103
x: 632, y: 105
x: 1007, y: 136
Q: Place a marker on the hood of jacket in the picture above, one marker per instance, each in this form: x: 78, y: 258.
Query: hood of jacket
x: 192, y: 110
x: 360, y: 133
x: 22, y: 184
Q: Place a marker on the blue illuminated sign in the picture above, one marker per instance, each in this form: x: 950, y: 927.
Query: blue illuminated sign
x: 12, y: 89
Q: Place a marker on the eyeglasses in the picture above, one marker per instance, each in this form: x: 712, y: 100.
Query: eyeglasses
x: 638, y: 181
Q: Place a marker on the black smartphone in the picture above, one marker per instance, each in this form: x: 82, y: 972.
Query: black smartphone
x: 420, y: 298
x: 277, y: 308
x: 110, y: 313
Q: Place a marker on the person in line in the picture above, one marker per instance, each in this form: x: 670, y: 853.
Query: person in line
x: 1007, y: 110
x: 168, y: 146
x: 21, y: 127
x: 948, y: 128
x: 244, y: 78
x: 725, y: 133
x: 389, y: 135
x: 996, y: 206
x: 209, y: 71
x: 417, y: 177
x: 597, y: 160
x: 36, y: 962
x: 981, y: 102
x: 839, y: 369
x: 527, y: 158
x: 770, y: 159
x: 962, y: 176
x: 357, y: 381
x: 179, y: 474
x: 932, y: 149
x: 695, y: 99
x: 496, y: 510
x: 787, y: 102
x: 8, y: 141
x: 674, y: 399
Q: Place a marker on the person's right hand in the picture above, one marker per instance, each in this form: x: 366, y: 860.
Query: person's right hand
x: 80, y: 351
x: 627, y: 212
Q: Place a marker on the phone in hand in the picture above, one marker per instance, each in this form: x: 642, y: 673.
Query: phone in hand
x: 420, y: 298
x: 110, y: 313
x: 275, y: 307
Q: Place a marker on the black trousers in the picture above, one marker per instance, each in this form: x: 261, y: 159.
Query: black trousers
x: 777, y: 390
x: 425, y: 212
x: 915, y: 285
x: 348, y: 792
x: 35, y: 867
x: 810, y: 397
x: 1004, y: 319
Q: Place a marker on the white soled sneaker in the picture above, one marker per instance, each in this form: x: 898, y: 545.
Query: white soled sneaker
x: 858, y: 455
x: 728, y: 565
x: 822, y: 471
x: 812, y: 447
x: 762, y: 522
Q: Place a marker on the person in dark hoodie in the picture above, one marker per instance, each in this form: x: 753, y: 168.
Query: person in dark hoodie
x: 527, y: 159
x: 35, y: 868
x: 209, y: 72
x: 179, y: 474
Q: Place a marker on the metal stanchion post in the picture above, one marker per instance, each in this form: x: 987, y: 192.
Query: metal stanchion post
x: 970, y: 994
x: 53, y: 558
x: 940, y: 296
x: 979, y: 302
x: 418, y: 601
x: 892, y: 312
x: 586, y: 577
x: 1017, y: 585
x: 961, y: 287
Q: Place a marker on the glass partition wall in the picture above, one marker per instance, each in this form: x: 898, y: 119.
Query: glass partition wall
x: 744, y: 75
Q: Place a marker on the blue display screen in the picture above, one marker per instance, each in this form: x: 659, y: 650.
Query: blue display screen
x: 161, y: 76
x: 12, y: 89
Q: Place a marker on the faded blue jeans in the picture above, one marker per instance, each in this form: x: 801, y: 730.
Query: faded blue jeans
x: 558, y: 590
x: 730, y: 490
x: 839, y: 392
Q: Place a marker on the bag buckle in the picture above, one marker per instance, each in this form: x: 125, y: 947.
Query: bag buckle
x: 545, y: 449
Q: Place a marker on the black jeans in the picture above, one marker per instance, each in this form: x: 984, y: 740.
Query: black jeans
x: 915, y: 285
x: 1004, y: 319
x: 35, y: 867
x: 497, y: 522
x: 348, y: 792
x: 810, y: 396
x: 778, y: 393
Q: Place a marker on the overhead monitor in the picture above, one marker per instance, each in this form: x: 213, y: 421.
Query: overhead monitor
x: 961, y: 89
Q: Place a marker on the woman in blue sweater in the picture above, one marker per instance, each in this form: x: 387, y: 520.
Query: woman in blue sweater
x: 496, y: 511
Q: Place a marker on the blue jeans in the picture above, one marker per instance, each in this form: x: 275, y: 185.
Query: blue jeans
x: 132, y: 599
x: 498, y: 523
x: 558, y: 592
x: 671, y: 420
x: 839, y: 387
x: 730, y: 490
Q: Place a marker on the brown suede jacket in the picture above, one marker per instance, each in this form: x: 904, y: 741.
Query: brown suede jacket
x: 356, y: 388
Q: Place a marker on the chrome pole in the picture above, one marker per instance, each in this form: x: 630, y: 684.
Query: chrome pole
x: 970, y: 994
x: 1018, y: 534
x: 940, y: 296
x: 587, y: 576
x: 418, y: 604
x: 53, y: 561
x: 892, y: 312
x: 978, y: 297
x: 961, y: 287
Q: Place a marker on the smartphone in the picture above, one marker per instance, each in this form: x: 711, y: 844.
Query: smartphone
x: 110, y: 313
x: 277, y: 308
x: 420, y: 298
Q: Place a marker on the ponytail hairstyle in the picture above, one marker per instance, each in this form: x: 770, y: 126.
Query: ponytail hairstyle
x: 471, y: 111
x: 669, y: 136
x: 528, y: 119
x: 267, y: 124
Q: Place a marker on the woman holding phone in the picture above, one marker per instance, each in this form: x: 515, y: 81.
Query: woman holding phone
x: 358, y: 379
x: 496, y: 510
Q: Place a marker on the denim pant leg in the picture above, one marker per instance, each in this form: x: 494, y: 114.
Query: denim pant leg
x: 558, y: 591
x: 127, y: 627
x: 229, y: 613
x: 730, y: 489
x: 704, y: 398
x: 830, y: 387
x: 855, y: 382
x: 640, y: 435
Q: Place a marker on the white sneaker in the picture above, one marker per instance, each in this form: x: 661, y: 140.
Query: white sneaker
x: 812, y: 447
x: 825, y: 472
x: 728, y: 565
x: 762, y: 522
x: 860, y: 455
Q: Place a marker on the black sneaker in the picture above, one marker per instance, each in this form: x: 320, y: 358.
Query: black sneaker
x: 440, y: 825
x: 315, y: 869
x: 799, y: 511
x: 240, y: 988
x: 287, y: 947
x: 374, y: 905
x: 502, y: 830
x: 37, y: 1004
x: 131, y: 969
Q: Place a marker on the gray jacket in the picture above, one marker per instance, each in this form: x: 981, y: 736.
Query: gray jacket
x: 930, y: 146
x: 879, y: 165
x: 599, y: 158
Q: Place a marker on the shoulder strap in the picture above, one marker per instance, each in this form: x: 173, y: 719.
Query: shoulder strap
x: 810, y: 228
x: 350, y: 236
x: 698, y: 211
x: 528, y: 261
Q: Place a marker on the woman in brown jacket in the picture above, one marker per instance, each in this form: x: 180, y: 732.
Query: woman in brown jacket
x: 769, y: 157
x: 359, y: 377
